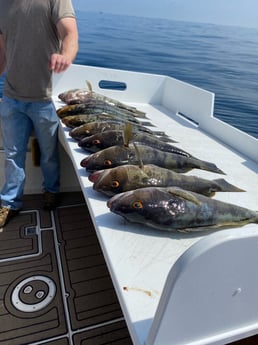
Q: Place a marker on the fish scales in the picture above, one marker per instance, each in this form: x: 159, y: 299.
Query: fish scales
x: 96, y: 111
x: 93, y: 107
x: 73, y: 121
x: 174, y: 209
x: 129, y: 177
x: 100, y: 141
x: 121, y: 155
x: 75, y: 96
x: 95, y: 127
x: 80, y: 119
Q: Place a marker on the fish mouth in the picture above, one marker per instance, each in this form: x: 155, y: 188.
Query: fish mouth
x: 85, y: 162
x: 111, y: 201
x: 114, y: 202
x: 96, y: 176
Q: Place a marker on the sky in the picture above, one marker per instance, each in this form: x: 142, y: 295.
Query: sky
x: 225, y: 12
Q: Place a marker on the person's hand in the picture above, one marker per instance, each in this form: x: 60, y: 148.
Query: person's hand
x: 59, y: 63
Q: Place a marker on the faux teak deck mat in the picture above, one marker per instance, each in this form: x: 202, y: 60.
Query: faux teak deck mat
x: 55, y: 288
x: 54, y: 284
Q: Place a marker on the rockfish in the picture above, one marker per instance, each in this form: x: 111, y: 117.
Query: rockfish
x: 75, y: 96
x: 95, y: 106
x: 129, y: 177
x: 175, y: 209
x: 121, y: 155
x: 95, y: 127
x: 72, y: 121
x: 100, y: 141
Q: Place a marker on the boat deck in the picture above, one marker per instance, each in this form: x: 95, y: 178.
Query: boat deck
x: 55, y: 285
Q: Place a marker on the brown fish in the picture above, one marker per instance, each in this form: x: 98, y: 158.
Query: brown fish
x: 175, y: 209
x: 94, y: 127
x: 121, y: 155
x: 73, y: 121
x: 94, y: 106
x: 103, y: 140
x: 83, y: 95
x: 129, y: 177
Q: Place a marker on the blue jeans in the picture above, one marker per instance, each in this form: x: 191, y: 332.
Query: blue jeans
x: 17, y: 119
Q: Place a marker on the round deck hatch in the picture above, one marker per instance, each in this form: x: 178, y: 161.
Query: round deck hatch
x: 33, y: 293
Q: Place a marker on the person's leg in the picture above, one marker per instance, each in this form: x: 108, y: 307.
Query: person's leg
x: 46, y: 122
x: 16, y: 128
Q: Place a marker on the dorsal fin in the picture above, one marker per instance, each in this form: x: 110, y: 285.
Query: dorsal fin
x: 138, y: 156
x: 89, y: 85
x: 185, y: 195
x: 128, y: 130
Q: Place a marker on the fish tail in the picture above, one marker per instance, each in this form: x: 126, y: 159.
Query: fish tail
x: 227, y: 187
x: 163, y: 137
x: 146, y: 123
x: 210, y: 167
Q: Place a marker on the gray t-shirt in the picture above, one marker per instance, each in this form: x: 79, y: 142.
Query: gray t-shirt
x: 30, y: 35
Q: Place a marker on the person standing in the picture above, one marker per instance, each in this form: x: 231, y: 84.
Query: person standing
x: 37, y: 38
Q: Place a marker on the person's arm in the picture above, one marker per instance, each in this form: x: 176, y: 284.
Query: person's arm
x: 2, y: 55
x: 68, y: 34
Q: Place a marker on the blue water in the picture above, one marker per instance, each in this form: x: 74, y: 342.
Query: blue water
x: 221, y: 59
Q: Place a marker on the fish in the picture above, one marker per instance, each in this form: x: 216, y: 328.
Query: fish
x: 80, y: 119
x: 74, y: 121
x: 96, y: 111
x: 175, y: 209
x: 94, y: 127
x: 100, y: 141
x: 121, y: 154
x: 75, y: 96
x: 69, y: 95
x: 129, y: 177
x: 93, y: 107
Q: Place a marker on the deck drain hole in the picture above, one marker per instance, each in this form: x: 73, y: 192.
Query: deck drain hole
x: 30, y: 230
x: 33, y: 294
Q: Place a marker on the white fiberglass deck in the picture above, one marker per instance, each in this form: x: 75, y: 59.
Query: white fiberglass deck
x: 178, y: 288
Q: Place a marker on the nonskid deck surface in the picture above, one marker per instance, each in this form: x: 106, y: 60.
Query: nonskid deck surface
x: 54, y: 284
x: 55, y: 287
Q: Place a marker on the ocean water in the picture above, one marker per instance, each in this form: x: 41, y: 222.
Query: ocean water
x: 221, y: 59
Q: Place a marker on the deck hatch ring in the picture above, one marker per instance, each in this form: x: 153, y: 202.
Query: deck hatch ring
x: 33, y: 294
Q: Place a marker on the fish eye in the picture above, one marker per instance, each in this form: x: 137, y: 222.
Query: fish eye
x: 115, y: 184
x: 107, y: 162
x: 137, y: 204
x: 96, y: 142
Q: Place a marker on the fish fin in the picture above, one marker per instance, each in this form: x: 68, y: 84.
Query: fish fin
x: 185, y: 195
x: 89, y: 86
x: 128, y: 130
x: 146, y: 123
x: 163, y: 137
x: 228, y: 187
x: 211, y: 167
x: 141, y: 165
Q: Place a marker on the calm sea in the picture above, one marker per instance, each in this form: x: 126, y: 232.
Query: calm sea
x: 221, y: 59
